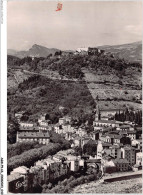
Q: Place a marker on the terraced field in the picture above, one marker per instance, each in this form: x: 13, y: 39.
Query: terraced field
x: 111, y: 92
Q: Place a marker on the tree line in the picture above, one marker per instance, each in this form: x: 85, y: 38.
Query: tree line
x: 132, y: 116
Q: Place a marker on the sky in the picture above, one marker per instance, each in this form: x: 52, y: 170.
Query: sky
x: 78, y: 24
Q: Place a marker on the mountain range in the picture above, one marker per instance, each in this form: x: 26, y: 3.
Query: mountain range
x: 131, y: 52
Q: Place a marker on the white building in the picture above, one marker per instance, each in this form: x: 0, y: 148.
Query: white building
x: 139, y: 157
x: 82, y: 49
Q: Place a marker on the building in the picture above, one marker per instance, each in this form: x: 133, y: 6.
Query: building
x: 131, y: 135
x: 41, y: 138
x: 121, y: 164
x: 139, y: 156
x: 26, y: 124
x: 99, y: 150
x: 44, y: 123
x: 15, y: 183
x: 111, y: 138
x: 33, y: 128
x: 18, y: 115
x: 42, y: 117
x: 105, y: 123
x: 62, y: 121
x: 82, y: 49
x: 135, y: 143
x: 126, y: 128
x: 130, y: 155
x: 93, y: 51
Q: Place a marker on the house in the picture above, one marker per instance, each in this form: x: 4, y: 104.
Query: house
x: 110, y: 112
x: 139, y: 157
x: 18, y: 115
x: 121, y: 164
x: 62, y: 121
x: 42, y: 138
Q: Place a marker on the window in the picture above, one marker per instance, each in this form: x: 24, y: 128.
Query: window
x: 121, y: 154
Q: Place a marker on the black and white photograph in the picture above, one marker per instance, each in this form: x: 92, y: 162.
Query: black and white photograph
x: 74, y: 97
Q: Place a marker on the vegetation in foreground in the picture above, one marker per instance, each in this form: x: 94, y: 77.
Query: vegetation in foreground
x: 68, y: 184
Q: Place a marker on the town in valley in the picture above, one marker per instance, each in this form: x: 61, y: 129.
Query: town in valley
x: 67, y: 147
x: 74, y: 97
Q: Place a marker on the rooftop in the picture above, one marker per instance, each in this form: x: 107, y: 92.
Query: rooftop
x: 34, y: 128
x: 125, y: 126
x: 14, y: 176
x: 33, y: 135
x: 120, y: 160
x: 110, y: 110
x: 106, y: 121
x: 116, y: 136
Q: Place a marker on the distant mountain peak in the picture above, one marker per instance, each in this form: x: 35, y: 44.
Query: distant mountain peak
x: 35, y: 50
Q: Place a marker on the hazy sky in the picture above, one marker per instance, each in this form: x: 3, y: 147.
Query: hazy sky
x: 79, y: 24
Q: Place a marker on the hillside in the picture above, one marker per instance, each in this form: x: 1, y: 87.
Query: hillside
x: 114, y: 82
x: 35, y: 50
x: 131, y: 52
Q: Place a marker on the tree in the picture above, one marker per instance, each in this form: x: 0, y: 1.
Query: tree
x: 12, y: 129
x: 125, y: 140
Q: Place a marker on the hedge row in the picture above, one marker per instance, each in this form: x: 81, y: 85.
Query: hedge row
x: 29, y: 157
